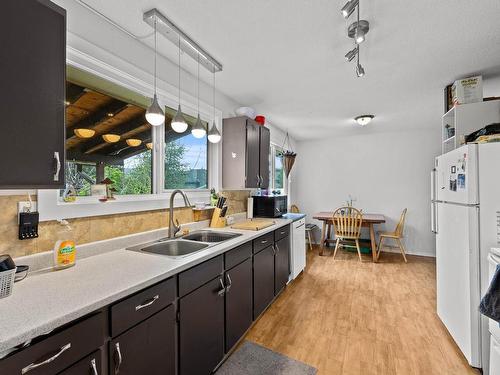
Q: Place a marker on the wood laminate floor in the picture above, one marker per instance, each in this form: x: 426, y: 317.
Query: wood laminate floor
x: 347, y: 317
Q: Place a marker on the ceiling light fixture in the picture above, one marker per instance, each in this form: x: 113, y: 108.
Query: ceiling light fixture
x: 357, y: 31
x: 133, y: 142
x: 179, y: 123
x: 348, y: 8
x: 213, y: 134
x: 154, y: 114
x: 84, y: 133
x: 198, y: 129
x: 111, y: 138
x: 364, y: 120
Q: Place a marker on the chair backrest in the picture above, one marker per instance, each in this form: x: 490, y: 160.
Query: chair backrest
x: 347, y: 222
x: 294, y: 209
x: 401, y: 225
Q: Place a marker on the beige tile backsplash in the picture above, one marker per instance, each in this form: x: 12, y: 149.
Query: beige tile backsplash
x: 95, y: 228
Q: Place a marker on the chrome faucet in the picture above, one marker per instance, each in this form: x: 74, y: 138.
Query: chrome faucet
x: 172, y: 227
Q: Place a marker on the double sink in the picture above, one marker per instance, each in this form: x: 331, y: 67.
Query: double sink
x: 185, y: 245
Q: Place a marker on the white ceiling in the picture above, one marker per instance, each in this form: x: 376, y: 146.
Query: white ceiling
x: 286, y: 57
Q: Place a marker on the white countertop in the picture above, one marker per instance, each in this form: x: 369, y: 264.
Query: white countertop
x: 47, y: 300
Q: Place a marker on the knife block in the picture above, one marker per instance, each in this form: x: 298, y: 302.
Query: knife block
x: 217, y: 221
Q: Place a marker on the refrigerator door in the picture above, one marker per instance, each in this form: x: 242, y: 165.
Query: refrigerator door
x: 457, y: 176
x: 457, y: 274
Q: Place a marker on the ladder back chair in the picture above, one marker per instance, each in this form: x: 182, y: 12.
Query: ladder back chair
x: 347, y: 226
x: 397, y: 235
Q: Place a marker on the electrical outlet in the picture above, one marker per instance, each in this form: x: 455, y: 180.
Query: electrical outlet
x: 24, y: 206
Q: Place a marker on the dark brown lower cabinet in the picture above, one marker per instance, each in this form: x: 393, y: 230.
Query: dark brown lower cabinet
x: 90, y: 365
x: 263, y: 280
x: 201, y: 329
x: 282, y: 264
x: 238, y: 302
x: 148, y: 348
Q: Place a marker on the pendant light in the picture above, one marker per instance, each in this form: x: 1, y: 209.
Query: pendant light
x: 198, y: 129
x: 179, y: 123
x: 213, y: 134
x: 154, y: 114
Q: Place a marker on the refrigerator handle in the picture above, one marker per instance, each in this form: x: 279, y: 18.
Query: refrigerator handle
x: 434, y: 221
x: 433, y: 185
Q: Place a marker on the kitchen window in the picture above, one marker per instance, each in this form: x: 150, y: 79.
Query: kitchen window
x: 277, y: 177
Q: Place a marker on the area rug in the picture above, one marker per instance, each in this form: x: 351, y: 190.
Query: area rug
x: 253, y: 359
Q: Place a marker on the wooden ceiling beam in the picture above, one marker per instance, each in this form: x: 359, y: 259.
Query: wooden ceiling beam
x: 73, y: 92
x: 101, y: 115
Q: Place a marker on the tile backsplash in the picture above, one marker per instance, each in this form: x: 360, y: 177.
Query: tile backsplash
x: 95, y: 228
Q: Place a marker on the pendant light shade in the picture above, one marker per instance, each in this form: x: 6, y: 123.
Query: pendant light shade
x: 154, y: 114
x: 198, y: 129
x: 179, y: 123
x: 213, y: 134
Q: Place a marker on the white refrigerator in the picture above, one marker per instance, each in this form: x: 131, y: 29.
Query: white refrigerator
x: 465, y: 197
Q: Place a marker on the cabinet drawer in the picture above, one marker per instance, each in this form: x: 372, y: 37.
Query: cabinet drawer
x: 195, y: 277
x: 57, y: 352
x: 90, y: 365
x: 281, y: 232
x: 142, y: 305
x: 262, y: 242
x: 237, y: 255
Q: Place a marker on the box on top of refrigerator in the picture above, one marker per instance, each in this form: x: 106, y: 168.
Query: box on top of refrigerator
x: 467, y: 90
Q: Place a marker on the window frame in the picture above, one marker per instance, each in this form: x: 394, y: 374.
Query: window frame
x: 274, y: 149
x: 50, y: 204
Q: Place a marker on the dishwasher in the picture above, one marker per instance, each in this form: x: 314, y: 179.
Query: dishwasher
x: 298, y: 253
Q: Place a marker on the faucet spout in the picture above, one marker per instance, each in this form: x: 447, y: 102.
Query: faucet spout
x: 172, y: 227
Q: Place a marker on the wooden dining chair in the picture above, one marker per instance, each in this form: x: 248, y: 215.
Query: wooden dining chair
x: 347, y: 227
x: 309, y: 226
x: 397, y: 235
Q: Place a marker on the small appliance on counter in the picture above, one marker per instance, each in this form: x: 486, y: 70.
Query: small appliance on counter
x: 269, y: 205
x: 9, y: 274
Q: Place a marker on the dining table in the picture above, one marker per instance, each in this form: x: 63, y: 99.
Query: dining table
x: 368, y: 221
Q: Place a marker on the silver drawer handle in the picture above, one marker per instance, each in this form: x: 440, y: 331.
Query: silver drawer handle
x: 147, y: 304
x: 93, y: 367
x: 47, y: 361
x: 119, y: 354
x: 57, y: 167
x: 282, y: 232
x: 263, y: 242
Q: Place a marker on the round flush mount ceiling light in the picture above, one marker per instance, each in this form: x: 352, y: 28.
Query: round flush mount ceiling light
x: 364, y: 120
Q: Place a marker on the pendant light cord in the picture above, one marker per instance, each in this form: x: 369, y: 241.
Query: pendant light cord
x: 214, y: 97
x: 179, y: 71
x: 198, y: 55
x: 155, y: 55
x: 357, y: 28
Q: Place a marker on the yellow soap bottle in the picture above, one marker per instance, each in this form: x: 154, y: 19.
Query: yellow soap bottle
x: 64, y: 248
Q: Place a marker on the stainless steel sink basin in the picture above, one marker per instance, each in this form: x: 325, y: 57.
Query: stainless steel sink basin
x: 210, y: 236
x: 172, y: 248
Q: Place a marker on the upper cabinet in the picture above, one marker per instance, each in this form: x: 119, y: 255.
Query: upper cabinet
x: 32, y: 107
x: 245, y: 154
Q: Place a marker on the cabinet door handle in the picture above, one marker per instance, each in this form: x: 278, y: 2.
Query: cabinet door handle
x: 263, y: 242
x: 148, y: 303
x: 221, y: 292
x: 273, y: 249
x: 258, y: 180
x: 47, y: 361
x: 93, y: 367
x: 229, y: 283
x: 277, y: 248
x: 57, y: 165
x: 118, y: 353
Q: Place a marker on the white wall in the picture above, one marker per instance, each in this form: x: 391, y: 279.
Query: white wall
x: 385, y: 172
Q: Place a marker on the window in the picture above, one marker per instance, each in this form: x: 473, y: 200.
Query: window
x: 277, y: 177
x: 186, y: 162
x: 94, y: 111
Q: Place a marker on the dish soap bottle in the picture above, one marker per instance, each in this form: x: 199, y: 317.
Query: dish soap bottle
x: 64, y: 248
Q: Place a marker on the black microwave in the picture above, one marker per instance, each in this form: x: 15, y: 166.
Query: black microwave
x: 269, y: 205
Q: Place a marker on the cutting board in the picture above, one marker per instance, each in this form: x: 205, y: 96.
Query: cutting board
x: 255, y: 224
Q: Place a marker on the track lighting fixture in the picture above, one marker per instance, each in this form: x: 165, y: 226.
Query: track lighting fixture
x: 154, y: 114
x: 179, y: 124
x: 349, y: 56
x: 360, y: 72
x: 348, y: 8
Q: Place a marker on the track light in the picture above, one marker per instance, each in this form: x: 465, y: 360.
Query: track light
x: 349, y: 56
x: 360, y: 72
x: 348, y: 8
x: 360, y: 36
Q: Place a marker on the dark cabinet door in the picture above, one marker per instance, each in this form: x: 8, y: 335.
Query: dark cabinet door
x: 201, y: 329
x: 148, y: 348
x: 265, y: 150
x: 252, y: 155
x: 33, y: 37
x: 282, y: 264
x: 263, y: 280
x: 90, y: 365
x: 238, y: 302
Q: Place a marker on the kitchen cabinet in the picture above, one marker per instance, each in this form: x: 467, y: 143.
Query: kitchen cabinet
x: 201, y: 329
x: 90, y: 365
x: 245, y: 154
x: 281, y: 264
x: 148, y: 348
x: 238, y: 302
x: 32, y: 106
x: 263, y: 280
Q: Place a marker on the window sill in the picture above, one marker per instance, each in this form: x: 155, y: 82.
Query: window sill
x: 51, y: 207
